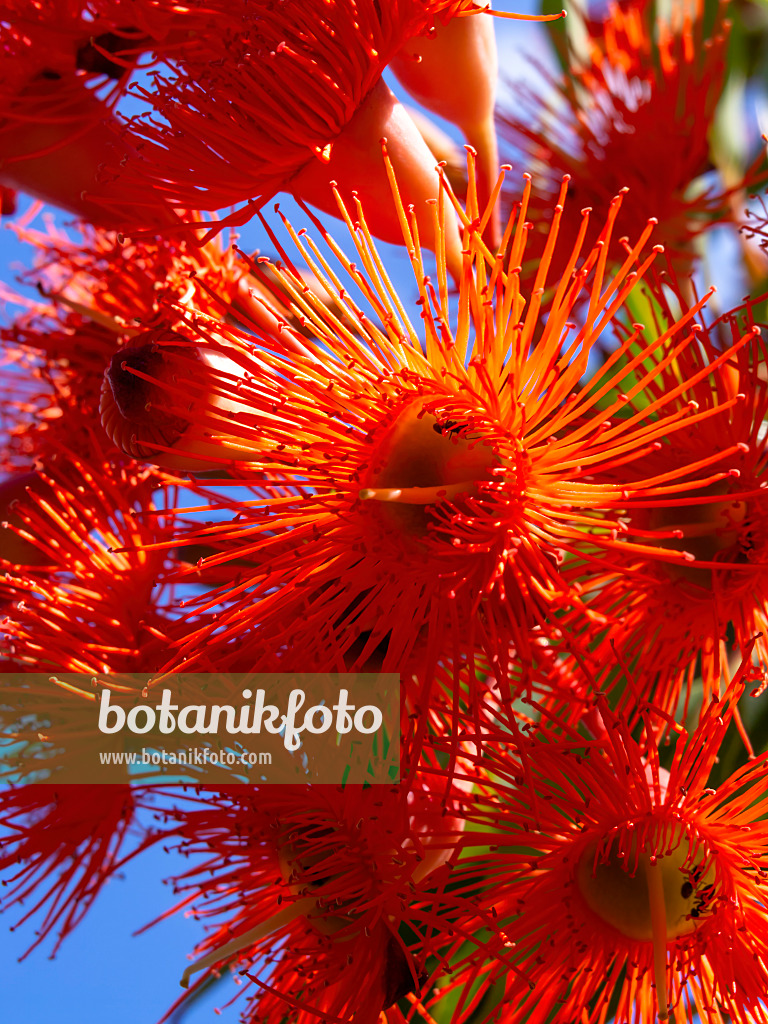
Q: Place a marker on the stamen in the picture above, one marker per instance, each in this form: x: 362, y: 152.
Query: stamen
x: 90, y: 313
x: 278, y: 920
x: 417, y: 1004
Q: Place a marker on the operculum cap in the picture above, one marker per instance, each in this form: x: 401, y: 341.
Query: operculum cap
x: 160, y: 403
x: 355, y: 163
x: 453, y: 73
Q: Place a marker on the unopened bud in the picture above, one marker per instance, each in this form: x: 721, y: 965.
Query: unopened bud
x: 453, y: 73
x: 161, y: 402
x: 355, y: 164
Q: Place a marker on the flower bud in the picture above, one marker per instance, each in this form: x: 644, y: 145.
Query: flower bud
x: 452, y: 72
x: 355, y: 163
x: 161, y: 401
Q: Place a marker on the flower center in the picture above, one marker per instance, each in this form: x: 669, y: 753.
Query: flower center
x: 650, y: 897
x: 422, y: 462
x: 704, y: 531
x: 619, y: 894
x: 307, y: 866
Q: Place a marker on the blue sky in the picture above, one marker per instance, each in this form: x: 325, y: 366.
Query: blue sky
x: 103, y: 972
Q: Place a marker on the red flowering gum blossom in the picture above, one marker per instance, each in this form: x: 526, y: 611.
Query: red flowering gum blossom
x: 60, y: 80
x: 58, y: 846
x: 320, y: 878
x: 441, y: 473
x: 678, y: 619
x: 56, y: 145
x: 95, y: 569
x: 291, y: 101
x: 112, y: 283
x: 95, y: 295
x: 631, y: 878
x: 637, y: 113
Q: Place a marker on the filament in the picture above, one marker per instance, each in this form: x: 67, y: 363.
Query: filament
x: 278, y: 920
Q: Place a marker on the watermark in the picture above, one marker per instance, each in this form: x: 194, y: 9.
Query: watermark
x: 200, y: 728
x: 193, y: 755
x: 205, y: 719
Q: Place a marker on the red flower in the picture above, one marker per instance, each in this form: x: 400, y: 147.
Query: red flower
x: 94, y: 574
x: 118, y: 283
x: 65, y: 66
x: 85, y: 605
x: 100, y: 293
x: 421, y: 487
x: 290, y: 101
x: 668, y: 615
x: 58, y: 846
x: 313, y: 883
x: 634, y: 110
x: 610, y: 877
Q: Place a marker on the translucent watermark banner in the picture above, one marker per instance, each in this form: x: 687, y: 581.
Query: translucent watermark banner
x: 205, y: 728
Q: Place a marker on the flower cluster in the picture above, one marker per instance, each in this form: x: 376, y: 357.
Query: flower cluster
x: 525, y: 471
